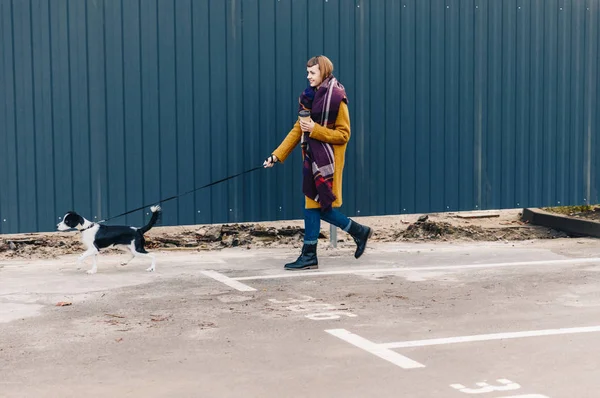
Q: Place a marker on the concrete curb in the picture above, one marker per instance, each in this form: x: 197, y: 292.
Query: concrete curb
x: 570, y: 225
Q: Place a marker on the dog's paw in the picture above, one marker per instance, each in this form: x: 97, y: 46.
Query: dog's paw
x: 150, y: 269
x: 124, y: 262
x: 91, y: 271
x: 154, y: 209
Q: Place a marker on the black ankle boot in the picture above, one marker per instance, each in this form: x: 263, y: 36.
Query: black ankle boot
x: 361, y: 234
x: 307, y: 260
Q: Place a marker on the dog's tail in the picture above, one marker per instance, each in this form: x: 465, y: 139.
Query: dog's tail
x: 155, y: 213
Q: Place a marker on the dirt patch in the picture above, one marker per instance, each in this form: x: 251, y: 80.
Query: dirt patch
x: 227, y: 235
x: 431, y: 230
x: 52, y: 245
x: 504, y: 225
x: 38, y: 245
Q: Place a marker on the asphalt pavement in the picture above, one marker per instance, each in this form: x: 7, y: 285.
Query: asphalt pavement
x: 517, y: 319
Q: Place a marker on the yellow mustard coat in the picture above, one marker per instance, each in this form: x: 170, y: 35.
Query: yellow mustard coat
x: 338, y: 137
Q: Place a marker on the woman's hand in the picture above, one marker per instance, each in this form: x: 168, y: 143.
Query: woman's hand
x: 270, y: 161
x: 307, y: 126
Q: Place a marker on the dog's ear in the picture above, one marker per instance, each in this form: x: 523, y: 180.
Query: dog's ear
x: 68, y: 219
x: 73, y: 219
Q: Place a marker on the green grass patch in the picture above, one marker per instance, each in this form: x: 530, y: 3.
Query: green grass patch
x: 571, y: 209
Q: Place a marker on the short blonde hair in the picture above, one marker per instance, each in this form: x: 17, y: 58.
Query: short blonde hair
x: 325, y: 65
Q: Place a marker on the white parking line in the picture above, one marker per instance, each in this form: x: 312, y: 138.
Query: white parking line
x: 493, y: 336
x: 375, y: 349
x: 228, y: 281
x: 384, y: 350
x: 305, y: 274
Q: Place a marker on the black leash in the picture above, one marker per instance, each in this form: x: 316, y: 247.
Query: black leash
x: 185, y: 193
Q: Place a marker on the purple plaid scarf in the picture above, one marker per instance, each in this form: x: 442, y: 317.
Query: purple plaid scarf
x: 319, y: 165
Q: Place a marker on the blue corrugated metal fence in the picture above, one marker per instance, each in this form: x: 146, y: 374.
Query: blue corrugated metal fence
x: 106, y: 105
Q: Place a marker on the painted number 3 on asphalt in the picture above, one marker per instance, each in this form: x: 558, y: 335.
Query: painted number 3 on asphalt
x: 506, y: 385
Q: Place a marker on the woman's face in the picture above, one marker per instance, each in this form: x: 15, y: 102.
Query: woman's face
x: 314, y: 75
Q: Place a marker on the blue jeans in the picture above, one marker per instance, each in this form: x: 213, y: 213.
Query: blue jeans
x: 312, y: 223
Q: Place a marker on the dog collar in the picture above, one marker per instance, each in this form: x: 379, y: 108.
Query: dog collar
x: 91, y: 225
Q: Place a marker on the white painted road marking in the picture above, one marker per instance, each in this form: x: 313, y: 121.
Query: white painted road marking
x: 228, y: 281
x: 234, y: 282
x: 384, y: 350
x: 493, y: 336
x: 306, y: 305
x: 375, y: 349
x: 306, y: 274
x: 484, y: 387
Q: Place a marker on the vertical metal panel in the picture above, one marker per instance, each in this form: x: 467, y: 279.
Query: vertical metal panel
x: 466, y: 189
x: 151, y: 175
x: 596, y: 147
x: 508, y: 133
x: 116, y: 154
x: 108, y: 105
x: 251, y: 144
x: 347, y: 67
x: 65, y: 185
x: 78, y: 100
x: 202, y: 118
x: 361, y: 130
x: 437, y: 106
x: 423, y: 98
x: 331, y: 32
x: 590, y: 98
x: 377, y: 88
x: 563, y: 98
x: 219, y: 116
x: 522, y: 103
x: 314, y: 22
x: 300, y: 53
x: 406, y: 181
x: 537, y: 100
x: 167, y: 108
x: 548, y: 183
x: 393, y: 79
x: 493, y: 134
x: 24, y: 123
x: 235, y: 196
x: 451, y: 108
x: 283, y: 91
x: 576, y: 111
x: 4, y: 176
x: 266, y: 99
x: 96, y: 81
x: 184, y: 107
x: 44, y: 140
x: 480, y: 95
x: 132, y: 110
x: 11, y: 187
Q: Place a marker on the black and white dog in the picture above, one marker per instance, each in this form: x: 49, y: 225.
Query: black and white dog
x: 96, y: 236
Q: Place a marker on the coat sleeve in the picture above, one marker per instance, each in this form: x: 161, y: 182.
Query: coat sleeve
x: 338, y: 136
x: 289, y: 143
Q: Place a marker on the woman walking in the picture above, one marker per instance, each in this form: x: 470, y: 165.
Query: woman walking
x: 323, y: 129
